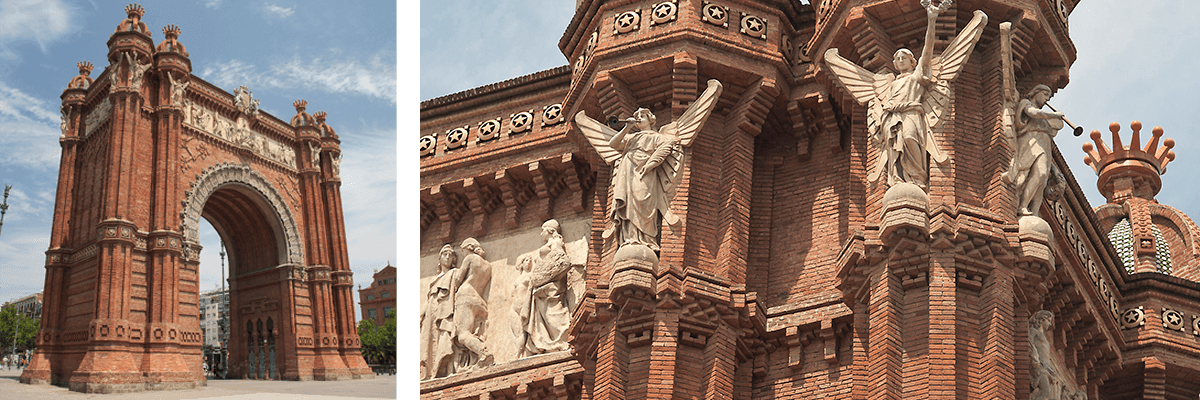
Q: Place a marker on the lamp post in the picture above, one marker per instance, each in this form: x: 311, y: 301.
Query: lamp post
x: 4, y: 206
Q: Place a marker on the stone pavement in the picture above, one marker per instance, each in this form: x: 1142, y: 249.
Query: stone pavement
x: 382, y: 387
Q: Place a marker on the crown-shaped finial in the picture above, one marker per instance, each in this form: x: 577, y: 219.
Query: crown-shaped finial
x: 85, y: 68
x: 1152, y: 155
x: 300, y: 105
x: 135, y: 10
x: 171, y: 31
x: 320, y: 115
x: 1142, y: 165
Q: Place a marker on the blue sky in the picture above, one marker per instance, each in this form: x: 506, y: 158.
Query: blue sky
x: 1132, y: 65
x: 341, y: 58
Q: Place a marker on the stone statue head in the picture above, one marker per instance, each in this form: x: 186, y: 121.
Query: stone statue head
x: 549, y: 228
x: 1039, y: 89
x: 472, y: 245
x: 904, y: 60
x: 645, y: 119
x: 448, y: 259
x: 1042, y: 320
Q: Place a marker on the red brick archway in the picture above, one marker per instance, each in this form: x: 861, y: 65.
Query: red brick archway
x: 148, y: 150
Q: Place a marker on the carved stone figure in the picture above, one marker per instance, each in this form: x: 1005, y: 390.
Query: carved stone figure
x: 541, y: 296
x: 243, y: 99
x: 649, y: 166
x: 65, y: 115
x: 903, y: 110
x: 471, y: 310
x: 337, y: 165
x: 455, y: 314
x: 1047, y: 379
x: 136, y: 72
x: 316, y: 155
x: 1031, y: 165
x: 177, y: 91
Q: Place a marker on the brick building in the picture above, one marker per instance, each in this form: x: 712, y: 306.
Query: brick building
x: 379, y: 298
x: 810, y: 260
x: 148, y: 149
x: 29, y: 306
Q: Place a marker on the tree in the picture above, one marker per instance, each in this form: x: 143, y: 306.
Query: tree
x: 26, y: 331
x: 379, y: 342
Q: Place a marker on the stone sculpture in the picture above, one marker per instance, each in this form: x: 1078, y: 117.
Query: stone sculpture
x: 455, y: 313
x: 541, y: 296
x: 63, y: 125
x: 136, y: 71
x: 1047, y: 378
x: 316, y: 155
x: 1031, y: 166
x: 337, y: 165
x: 177, y: 91
x: 649, y: 166
x: 903, y: 110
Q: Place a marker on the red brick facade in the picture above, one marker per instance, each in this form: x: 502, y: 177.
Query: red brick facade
x: 149, y: 149
x: 379, y: 298
x: 793, y: 276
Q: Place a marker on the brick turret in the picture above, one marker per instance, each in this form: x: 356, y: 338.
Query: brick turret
x: 1129, y: 171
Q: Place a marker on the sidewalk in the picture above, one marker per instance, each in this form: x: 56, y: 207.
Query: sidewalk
x: 382, y: 387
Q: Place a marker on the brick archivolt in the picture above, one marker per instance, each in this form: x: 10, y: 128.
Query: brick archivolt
x: 218, y: 177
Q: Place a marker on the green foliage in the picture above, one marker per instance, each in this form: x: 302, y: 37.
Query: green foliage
x: 379, y: 342
x: 26, y: 332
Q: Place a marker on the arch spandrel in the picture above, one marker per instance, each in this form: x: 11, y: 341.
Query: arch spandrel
x: 214, y: 178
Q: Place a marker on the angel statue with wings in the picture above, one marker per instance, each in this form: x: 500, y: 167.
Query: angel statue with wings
x: 649, y: 166
x: 903, y: 110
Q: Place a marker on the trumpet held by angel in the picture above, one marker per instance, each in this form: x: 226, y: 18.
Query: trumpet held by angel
x: 648, y: 166
x: 903, y: 109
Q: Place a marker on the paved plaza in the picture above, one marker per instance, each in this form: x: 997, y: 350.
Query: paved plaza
x: 382, y: 387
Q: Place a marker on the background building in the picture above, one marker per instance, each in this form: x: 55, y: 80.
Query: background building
x: 213, y: 304
x: 794, y: 272
x: 379, y: 298
x: 29, y: 306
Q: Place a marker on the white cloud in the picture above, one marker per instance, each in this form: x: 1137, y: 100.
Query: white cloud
x: 29, y: 124
x: 213, y: 4
x: 374, y: 78
x: 277, y: 11
x: 41, y: 21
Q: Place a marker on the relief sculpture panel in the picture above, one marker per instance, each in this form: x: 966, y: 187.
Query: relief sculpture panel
x: 238, y: 133
x: 481, y: 310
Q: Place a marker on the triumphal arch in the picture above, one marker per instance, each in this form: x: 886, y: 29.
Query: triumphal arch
x: 147, y: 150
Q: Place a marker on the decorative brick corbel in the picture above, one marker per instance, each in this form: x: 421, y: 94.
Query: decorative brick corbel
x: 545, y: 185
x: 614, y: 97
x: 483, y: 199
x: 515, y: 189
x: 450, y: 208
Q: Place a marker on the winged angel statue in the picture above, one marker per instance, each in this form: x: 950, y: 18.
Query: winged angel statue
x: 903, y: 110
x: 649, y: 166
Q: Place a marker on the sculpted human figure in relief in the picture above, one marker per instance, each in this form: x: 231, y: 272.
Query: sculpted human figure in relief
x: 541, y: 296
x: 903, y: 110
x: 1031, y: 164
x: 455, y: 313
x: 649, y: 166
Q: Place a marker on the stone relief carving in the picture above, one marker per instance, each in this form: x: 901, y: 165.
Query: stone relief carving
x: 649, y: 166
x: 316, y: 155
x: 243, y: 99
x: 178, y: 89
x: 238, y: 133
x: 97, y: 116
x: 903, y: 110
x: 337, y: 165
x: 1031, y: 166
x: 1048, y: 378
x: 63, y: 124
x: 542, y: 299
x: 217, y: 176
x: 455, y: 314
x: 136, y: 71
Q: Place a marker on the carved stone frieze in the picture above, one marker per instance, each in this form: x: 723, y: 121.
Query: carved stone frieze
x: 456, y: 313
x: 217, y: 176
x: 244, y: 101
x: 98, y: 115
x: 237, y: 133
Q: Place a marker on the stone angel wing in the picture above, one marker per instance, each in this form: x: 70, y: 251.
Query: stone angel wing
x: 598, y: 134
x: 869, y: 89
x: 945, y: 69
x: 689, y: 124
